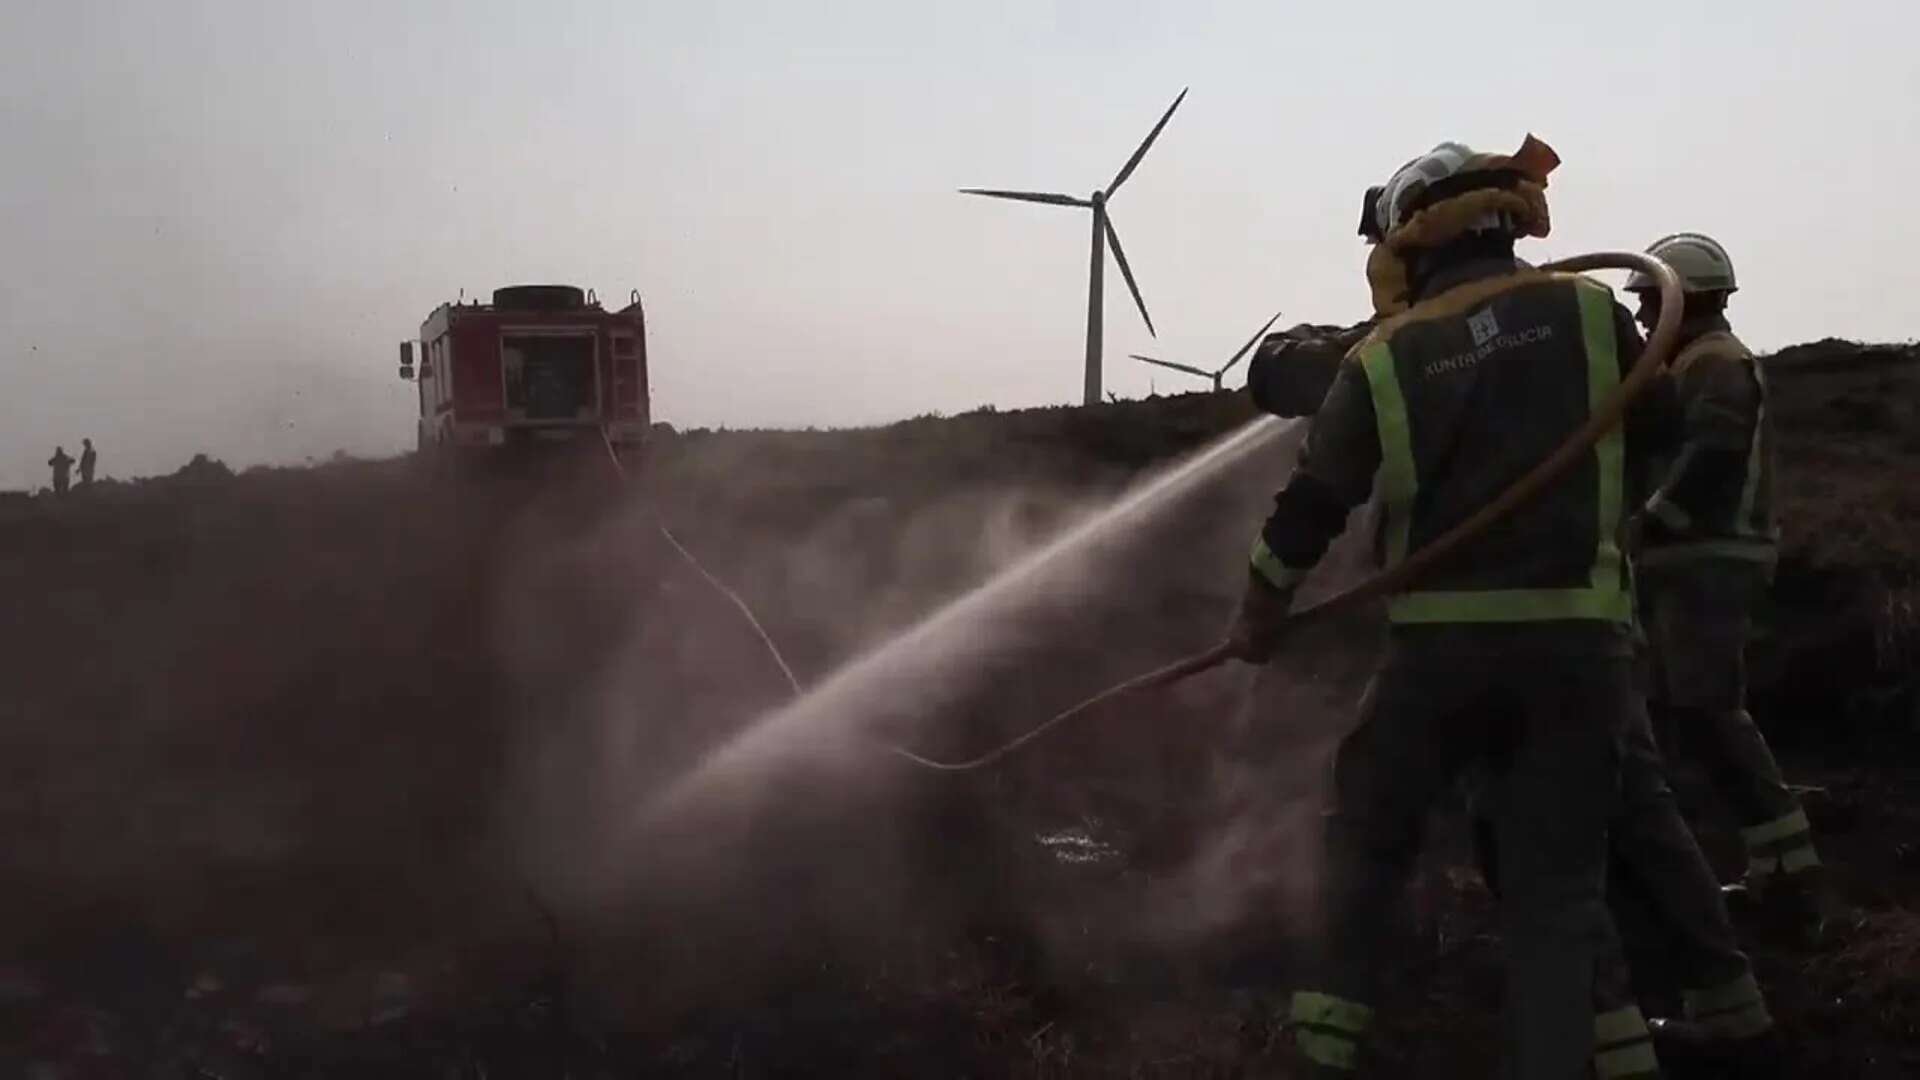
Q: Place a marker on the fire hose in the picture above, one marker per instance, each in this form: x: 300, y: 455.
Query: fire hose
x: 766, y: 639
x: 1660, y: 345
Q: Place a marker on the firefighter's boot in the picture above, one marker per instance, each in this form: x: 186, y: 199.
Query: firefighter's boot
x: 1803, y: 908
x: 1687, y: 1047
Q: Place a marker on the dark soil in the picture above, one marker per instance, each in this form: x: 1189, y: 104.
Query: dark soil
x: 306, y: 772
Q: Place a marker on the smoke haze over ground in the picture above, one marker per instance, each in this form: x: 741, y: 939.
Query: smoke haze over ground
x: 357, y: 746
x: 814, y: 784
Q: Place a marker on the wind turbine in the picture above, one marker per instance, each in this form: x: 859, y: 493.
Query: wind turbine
x: 1103, y: 234
x: 1221, y: 374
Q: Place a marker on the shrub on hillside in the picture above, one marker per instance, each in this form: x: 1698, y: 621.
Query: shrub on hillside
x: 204, y: 468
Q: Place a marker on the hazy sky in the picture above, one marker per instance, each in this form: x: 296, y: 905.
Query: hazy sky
x: 219, y: 218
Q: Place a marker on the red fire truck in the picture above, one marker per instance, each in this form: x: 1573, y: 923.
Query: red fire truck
x: 540, y: 363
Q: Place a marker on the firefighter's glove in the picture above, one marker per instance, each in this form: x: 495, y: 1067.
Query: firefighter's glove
x: 1261, y: 621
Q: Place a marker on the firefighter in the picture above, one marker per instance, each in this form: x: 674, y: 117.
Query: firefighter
x: 1515, y: 656
x: 1708, y: 547
x: 62, y: 467
x: 1668, y: 904
x: 87, y: 461
x: 1662, y: 889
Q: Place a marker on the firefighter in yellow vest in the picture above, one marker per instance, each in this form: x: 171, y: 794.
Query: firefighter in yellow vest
x: 1708, y: 547
x: 1662, y: 892
x: 1516, y: 655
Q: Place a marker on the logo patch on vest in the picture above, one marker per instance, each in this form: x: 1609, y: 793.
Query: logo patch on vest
x: 1488, y: 339
x: 1484, y: 326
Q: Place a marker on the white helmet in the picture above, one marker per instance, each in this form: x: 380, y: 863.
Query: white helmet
x: 1395, y: 204
x: 1700, y: 261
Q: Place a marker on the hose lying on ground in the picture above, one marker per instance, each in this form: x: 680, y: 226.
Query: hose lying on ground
x: 718, y: 586
x: 1660, y: 345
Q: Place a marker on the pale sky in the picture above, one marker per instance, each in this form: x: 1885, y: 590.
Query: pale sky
x: 218, y: 219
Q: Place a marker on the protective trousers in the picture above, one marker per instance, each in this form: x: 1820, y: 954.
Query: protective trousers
x: 1660, y: 874
x: 1698, y: 616
x: 1547, y: 729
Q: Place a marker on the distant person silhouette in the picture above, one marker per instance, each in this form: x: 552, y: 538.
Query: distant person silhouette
x: 87, y: 459
x: 62, y: 466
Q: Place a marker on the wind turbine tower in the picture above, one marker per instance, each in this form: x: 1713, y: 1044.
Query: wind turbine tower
x: 1104, y: 236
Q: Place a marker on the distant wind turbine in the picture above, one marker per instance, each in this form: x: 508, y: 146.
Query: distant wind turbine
x: 1216, y: 376
x: 1103, y: 234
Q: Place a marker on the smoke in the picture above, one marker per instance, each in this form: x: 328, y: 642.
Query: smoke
x: 677, y: 789
x: 627, y: 668
x: 679, y: 672
x: 948, y: 653
x: 448, y: 703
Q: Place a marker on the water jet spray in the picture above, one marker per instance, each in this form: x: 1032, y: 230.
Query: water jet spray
x: 907, y: 670
x: 1660, y: 345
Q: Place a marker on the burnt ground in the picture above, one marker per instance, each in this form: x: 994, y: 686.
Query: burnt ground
x: 331, y: 772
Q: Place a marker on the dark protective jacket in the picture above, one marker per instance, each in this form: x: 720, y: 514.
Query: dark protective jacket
x: 1449, y: 404
x: 1292, y: 370
x: 1715, y: 498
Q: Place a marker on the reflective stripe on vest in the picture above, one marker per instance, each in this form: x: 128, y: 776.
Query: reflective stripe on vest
x: 1785, y: 827
x: 1605, y: 597
x: 1268, y: 566
x: 1327, y: 1029
x: 1732, y: 1010
x: 1327, y: 1049
x: 1328, y: 1011
x: 1759, y: 538
x: 1623, y: 1048
x: 1783, y: 845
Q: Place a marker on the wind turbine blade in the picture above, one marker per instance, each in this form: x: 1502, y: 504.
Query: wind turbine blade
x: 1119, y: 256
x: 1134, y: 161
x: 1028, y: 196
x: 1171, y: 364
x: 1251, y: 342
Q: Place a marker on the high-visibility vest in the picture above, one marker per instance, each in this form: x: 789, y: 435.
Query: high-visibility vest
x: 1735, y: 527
x: 1471, y: 389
